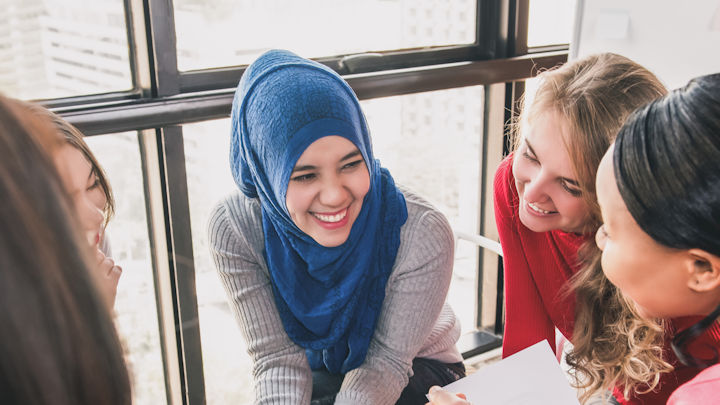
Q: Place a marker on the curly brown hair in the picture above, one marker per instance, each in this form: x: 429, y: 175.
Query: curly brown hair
x: 613, y: 346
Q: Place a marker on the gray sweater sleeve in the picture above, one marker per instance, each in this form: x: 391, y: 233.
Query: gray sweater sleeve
x: 410, y: 322
x: 280, y: 369
x: 414, y: 297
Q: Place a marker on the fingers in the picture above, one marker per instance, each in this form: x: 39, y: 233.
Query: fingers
x: 115, y: 273
x: 439, y: 396
x: 110, y: 275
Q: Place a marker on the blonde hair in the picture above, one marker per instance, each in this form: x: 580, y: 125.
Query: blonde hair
x: 594, y: 95
x: 613, y: 345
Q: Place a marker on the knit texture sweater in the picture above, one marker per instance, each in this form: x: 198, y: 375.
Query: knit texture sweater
x: 414, y: 320
x: 537, y: 267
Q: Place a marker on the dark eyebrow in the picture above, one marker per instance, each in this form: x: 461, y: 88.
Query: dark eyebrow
x: 350, y: 155
x: 311, y: 167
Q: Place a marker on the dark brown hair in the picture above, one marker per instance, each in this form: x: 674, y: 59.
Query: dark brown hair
x: 667, y: 160
x: 59, y: 344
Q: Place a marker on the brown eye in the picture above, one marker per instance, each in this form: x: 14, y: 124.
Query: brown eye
x: 303, y: 177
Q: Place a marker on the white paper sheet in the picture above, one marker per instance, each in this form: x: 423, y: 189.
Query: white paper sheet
x: 531, y: 376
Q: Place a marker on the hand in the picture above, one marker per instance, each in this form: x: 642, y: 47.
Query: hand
x: 109, y: 276
x: 439, y: 396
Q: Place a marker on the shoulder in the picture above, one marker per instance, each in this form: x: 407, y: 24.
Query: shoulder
x: 504, y: 189
x: 426, y: 229
x: 236, y: 216
x: 703, y: 389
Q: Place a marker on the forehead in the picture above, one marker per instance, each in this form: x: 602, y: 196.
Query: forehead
x: 327, y: 148
x: 546, y: 133
x: 72, y: 166
x: 609, y: 198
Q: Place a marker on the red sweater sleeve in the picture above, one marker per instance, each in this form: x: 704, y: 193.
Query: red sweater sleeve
x: 526, y: 320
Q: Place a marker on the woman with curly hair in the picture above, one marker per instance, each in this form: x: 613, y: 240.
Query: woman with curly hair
x: 657, y: 188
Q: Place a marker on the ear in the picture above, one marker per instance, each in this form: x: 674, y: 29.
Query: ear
x: 704, y: 270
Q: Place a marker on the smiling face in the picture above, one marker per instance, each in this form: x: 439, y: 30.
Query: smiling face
x: 663, y: 282
x: 326, y: 190
x: 83, y: 186
x: 550, y: 197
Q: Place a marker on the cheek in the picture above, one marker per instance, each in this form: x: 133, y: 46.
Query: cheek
x: 298, y: 200
x: 609, y: 266
x: 361, y: 184
x: 97, y: 197
x: 616, y: 266
x: 520, y: 170
x: 570, y: 206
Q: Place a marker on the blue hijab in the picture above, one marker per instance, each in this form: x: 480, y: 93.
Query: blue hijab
x: 328, y: 298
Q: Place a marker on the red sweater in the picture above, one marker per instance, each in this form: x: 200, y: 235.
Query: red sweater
x: 537, y: 267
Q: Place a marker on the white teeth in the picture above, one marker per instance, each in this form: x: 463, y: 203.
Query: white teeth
x: 537, y: 209
x: 331, y: 218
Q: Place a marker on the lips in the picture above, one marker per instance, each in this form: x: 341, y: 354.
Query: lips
x: 534, y: 208
x: 332, y: 220
x: 331, y: 217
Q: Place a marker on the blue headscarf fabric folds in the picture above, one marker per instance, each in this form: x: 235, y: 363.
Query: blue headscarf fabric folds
x: 329, y: 299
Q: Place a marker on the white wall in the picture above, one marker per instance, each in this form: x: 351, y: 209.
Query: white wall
x: 677, y: 40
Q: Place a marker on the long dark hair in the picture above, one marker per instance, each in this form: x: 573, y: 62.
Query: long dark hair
x: 58, y: 343
x: 595, y: 95
x: 667, y: 160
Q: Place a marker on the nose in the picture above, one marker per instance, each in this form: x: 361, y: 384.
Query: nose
x: 91, y: 216
x: 333, y: 192
x: 535, y: 188
x: 600, y: 238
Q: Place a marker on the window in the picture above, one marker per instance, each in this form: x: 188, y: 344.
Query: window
x: 550, y: 22
x: 136, y: 316
x: 218, y: 33
x: 63, y: 48
x: 167, y: 86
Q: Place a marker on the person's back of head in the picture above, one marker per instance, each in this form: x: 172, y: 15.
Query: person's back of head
x: 667, y: 161
x: 59, y: 344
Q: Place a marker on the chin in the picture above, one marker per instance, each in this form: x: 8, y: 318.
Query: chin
x: 330, y: 241
x: 535, y: 224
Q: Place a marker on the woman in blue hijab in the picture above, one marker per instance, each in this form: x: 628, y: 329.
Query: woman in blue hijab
x: 337, y: 276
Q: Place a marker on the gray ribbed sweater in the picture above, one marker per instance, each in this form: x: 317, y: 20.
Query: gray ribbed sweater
x: 414, y: 321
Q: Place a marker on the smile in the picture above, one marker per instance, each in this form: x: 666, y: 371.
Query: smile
x: 540, y: 210
x: 331, y: 218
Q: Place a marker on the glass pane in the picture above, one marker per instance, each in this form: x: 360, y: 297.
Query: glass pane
x: 63, y: 48
x: 136, y: 314
x: 550, y: 22
x: 215, y: 33
x: 431, y: 143
x: 226, y: 364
